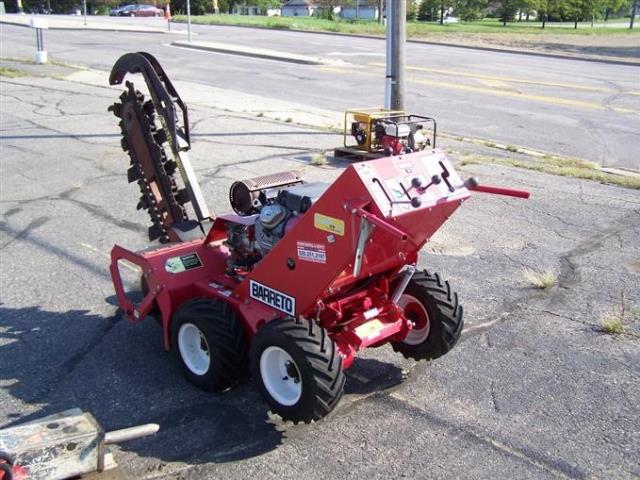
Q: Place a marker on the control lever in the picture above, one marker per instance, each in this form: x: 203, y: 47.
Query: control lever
x: 417, y: 183
x: 472, y: 184
x: 415, y: 202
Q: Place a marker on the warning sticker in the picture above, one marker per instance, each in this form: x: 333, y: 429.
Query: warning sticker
x: 182, y: 263
x: 312, y: 252
x: 328, y: 224
x: 369, y: 329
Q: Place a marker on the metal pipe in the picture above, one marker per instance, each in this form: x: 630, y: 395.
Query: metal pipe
x: 406, y: 278
x: 398, y: 53
x: 130, y: 433
x: 388, y: 77
x: 188, y: 21
x: 387, y: 227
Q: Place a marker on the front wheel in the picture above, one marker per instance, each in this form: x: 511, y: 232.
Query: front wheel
x: 433, y: 308
x: 211, y: 343
x: 297, y: 369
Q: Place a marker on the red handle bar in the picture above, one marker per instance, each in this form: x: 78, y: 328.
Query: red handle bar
x: 510, y: 192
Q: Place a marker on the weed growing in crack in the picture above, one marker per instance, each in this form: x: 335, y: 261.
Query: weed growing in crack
x: 318, y: 160
x: 613, y: 322
x: 542, y: 280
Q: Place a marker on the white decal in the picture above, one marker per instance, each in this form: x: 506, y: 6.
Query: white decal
x: 312, y: 252
x: 273, y: 298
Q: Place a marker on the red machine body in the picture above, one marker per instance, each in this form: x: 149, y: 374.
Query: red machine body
x: 337, y: 264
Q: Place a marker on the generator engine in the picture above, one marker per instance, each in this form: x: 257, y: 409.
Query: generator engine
x: 268, y: 214
x: 396, y: 138
x: 388, y: 132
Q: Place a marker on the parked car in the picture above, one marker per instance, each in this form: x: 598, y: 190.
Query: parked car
x: 140, y: 11
x: 114, y: 12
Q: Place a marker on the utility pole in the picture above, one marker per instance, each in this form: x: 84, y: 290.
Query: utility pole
x: 396, y: 41
x: 633, y: 13
x: 19, y: 6
x: 188, y: 21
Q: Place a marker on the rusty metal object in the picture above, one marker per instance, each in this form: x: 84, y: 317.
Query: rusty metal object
x: 65, y: 445
x: 150, y: 165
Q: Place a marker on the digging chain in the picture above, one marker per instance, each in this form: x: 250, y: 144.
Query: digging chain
x: 152, y: 163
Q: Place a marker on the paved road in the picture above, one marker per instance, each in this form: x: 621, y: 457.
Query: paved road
x: 570, y: 107
x: 533, y: 391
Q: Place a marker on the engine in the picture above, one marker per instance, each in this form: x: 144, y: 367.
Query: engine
x: 269, y: 206
x: 396, y: 138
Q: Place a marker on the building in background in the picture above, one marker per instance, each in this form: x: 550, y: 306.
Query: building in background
x: 298, y: 8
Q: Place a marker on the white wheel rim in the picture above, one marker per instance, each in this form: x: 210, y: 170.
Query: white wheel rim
x: 194, y: 349
x: 417, y: 335
x: 280, y: 376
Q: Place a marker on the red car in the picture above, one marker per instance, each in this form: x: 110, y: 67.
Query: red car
x: 140, y: 11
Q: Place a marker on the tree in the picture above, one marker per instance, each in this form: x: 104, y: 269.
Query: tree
x: 326, y: 7
x: 507, y: 10
x: 579, y: 10
x: 469, y: 10
x: 428, y: 10
x: 412, y: 9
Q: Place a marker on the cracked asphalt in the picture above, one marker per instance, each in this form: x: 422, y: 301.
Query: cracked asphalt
x: 533, y: 390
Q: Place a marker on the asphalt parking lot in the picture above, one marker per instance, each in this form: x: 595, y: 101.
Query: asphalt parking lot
x: 534, y: 390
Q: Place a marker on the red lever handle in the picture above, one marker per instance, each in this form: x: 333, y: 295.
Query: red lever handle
x: 472, y: 184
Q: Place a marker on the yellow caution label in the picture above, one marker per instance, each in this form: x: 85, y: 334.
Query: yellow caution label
x: 369, y: 329
x: 328, y: 224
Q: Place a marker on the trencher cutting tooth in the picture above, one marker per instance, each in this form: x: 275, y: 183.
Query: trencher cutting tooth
x: 152, y: 165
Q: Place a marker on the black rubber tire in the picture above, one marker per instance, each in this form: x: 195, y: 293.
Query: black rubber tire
x: 6, y: 471
x: 445, y: 317
x: 7, y: 457
x: 225, y: 338
x: 317, y: 359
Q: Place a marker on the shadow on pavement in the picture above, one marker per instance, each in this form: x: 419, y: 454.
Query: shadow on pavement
x: 120, y: 373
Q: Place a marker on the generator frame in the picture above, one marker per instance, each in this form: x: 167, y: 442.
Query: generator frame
x: 369, y: 117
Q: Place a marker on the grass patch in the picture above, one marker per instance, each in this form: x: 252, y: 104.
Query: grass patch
x: 512, y: 148
x: 318, y: 160
x: 614, y: 322
x: 611, y: 324
x: 414, y: 29
x: 541, y: 280
x: 12, y: 72
x: 564, y: 167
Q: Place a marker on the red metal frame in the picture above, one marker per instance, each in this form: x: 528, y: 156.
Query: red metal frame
x: 347, y: 296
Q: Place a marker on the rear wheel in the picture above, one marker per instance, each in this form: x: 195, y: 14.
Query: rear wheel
x: 211, y: 343
x: 433, y: 307
x: 298, y: 369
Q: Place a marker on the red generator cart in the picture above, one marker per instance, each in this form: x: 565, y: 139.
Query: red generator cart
x: 301, y: 276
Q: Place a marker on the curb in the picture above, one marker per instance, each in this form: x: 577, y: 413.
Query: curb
x: 252, y: 52
x: 427, y: 42
x: 97, y: 28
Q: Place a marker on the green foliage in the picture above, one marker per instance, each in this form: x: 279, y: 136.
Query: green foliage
x: 412, y: 9
x: 429, y: 10
x: 198, y: 7
x: 469, y: 10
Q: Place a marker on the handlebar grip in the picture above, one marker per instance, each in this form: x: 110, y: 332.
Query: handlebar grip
x: 510, y: 192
